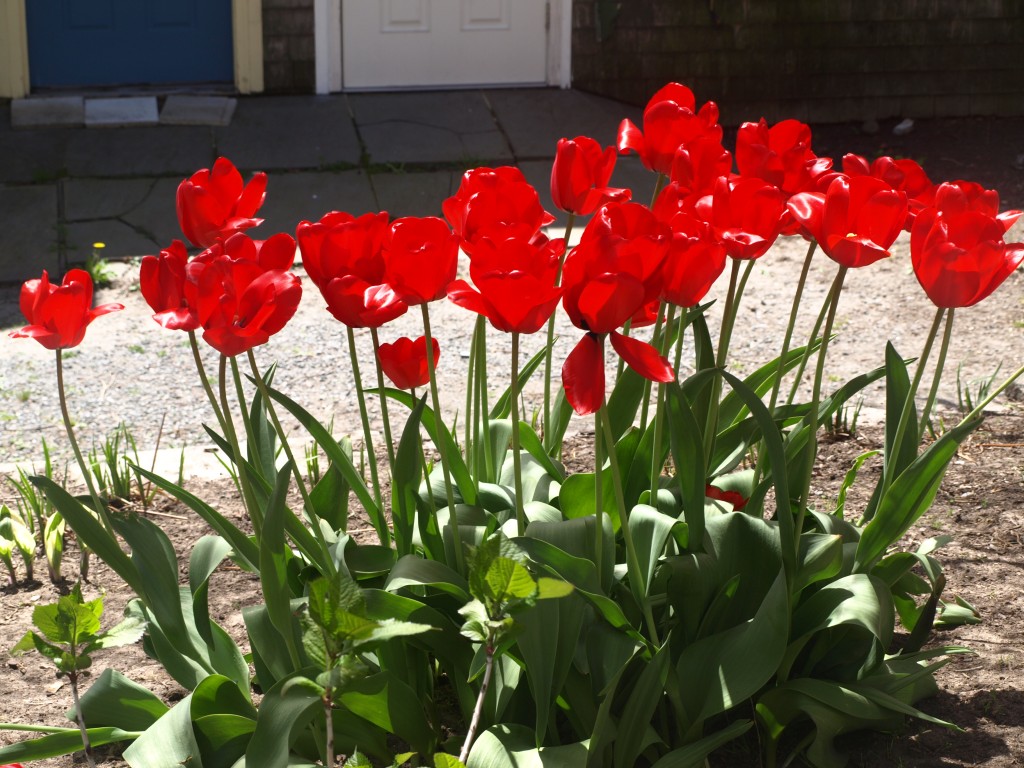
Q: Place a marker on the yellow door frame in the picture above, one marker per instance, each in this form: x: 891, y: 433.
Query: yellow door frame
x: 247, y: 36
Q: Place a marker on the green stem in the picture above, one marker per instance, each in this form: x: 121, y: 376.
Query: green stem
x: 485, y: 407
x: 517, y: 461
x: 940, y: 364
x: 889, y: 468
x: 364, y: 417
x: 786, y: 341
x: 658, y: 184
x: 86, y: 745
x: 660, y: 329
x: 201, y: 369
x: 598, y: 499
x: 724, y: 334
x: 659, y: 413
x: 453, y: 520
x: 252, y: 508
x: 819, y: 372
x: 788, y: 338
x: 311, y: 516
x: 632, y: 561
x: 97, y: 503
x: 383, y: 402
x: 808, y: 351
x: 470, y: 420
x: 551, y: 338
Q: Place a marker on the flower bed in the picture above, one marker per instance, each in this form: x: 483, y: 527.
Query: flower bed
x: 646, y: 612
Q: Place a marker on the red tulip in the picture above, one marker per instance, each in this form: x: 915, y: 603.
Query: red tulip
x: 960, y: 257
x: 213, y: 205
x: 239, y: 304
x: 343, y: 255
x: 342, y: 244
x: 162, y: 283
x: 405, y: 361
x: 497, y: 203
x: 609, y: 277
x: 697, y: 165
x: 695, y: 260
x: 735, y: 498
x: 856, y: 221
x: 59, y: 315
x: 960, y: 196
x: 580, y: 176
x: 420, y: 259
x: 781, y: 155
x: 745, y: 215
x: 903, y: 175
x: 515, y: 283
x: 670, y: 119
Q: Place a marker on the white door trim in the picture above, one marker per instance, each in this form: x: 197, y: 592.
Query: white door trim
x: 327, y: 43
x: 560, y: 43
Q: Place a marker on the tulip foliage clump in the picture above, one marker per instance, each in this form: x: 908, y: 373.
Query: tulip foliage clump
x: 679, y: 593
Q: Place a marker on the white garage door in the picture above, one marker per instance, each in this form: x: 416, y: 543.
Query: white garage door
x: 425, y: 43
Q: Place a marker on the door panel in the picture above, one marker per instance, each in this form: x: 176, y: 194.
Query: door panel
x: 443, y: 43
x: 76, y: 43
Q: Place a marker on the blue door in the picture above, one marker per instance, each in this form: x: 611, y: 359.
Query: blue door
x: 75, y: 43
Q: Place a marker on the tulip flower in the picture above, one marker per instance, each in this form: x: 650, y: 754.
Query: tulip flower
x: 343, y: 255
x: 239, y: 304
x: 735, y: 498
x: 610, y: 276
x: 745, y: 215
x: 420, y: 259
x: 514, y: 283
x: 699, y: 164
x: 960, y: 258
x: 495, y: 203
x: 59, y: 314
x: 580, y: 176
x: 213, y: 205
x: 162, y: 284
x: 405, y: 361
x: 670, y: 120
x: 855, y: 221
x: 903, y: 175
x: 695, y: 260
x: 959, y: 196
x: 781, y: 155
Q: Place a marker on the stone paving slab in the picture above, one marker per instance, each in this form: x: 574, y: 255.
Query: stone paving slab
x: 120, y: 241
x: 28, y: 237
x: 295, y: 197
x: 103, y: 198
x: 535, y: 118
x: 155, y: 215
x: 183, y: 109
x: 117, y: 112
x: 290, y: 133
x: 414, y: 194
x: 49, y: 111
x: 429, y: 127
x: 140, y: 151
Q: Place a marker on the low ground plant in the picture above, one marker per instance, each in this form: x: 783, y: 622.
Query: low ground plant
x: 676, y: 595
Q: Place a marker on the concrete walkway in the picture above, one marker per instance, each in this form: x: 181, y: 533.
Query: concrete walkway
x: 64, y: 188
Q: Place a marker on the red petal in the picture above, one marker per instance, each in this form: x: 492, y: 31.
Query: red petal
x: 643, y: 358
x: 583, y: 375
